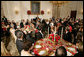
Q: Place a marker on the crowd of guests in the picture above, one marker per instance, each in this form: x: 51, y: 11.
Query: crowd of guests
x: 72, y: 32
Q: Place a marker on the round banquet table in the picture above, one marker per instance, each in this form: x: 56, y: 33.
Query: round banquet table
x: 47, y: 47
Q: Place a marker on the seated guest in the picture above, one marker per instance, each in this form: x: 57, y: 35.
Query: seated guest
x: 53, y: 18
x: 9, y: 22
x: 20, y: 40
x: 26, y: 49
x: 2, y: 32
x: 14, y: 24
x: 32, y: 34
x: 8, y: 31
x: 28, y: 37
x: 68, y: 34
x: 21, y: 24
x: 59, y: 27
x: 4, y: 18
x: 79, y: 36
x: 79, y: 42
x: 38, y: 25
x: 17, y: 25
x: 37, y: 17
x: 52, y: 27
x: 39, y: 20
x: 3, y: 26
x: 79, y: 46
x: 61, y: 51
x: 34, y: 22
x: 27, y: 22
x: 38, y: 35
x: 44, y: 27
x: 24, y: 22
x: 32, y: 27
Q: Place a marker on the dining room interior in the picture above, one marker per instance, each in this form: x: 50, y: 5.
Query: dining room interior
x: 42, y: 28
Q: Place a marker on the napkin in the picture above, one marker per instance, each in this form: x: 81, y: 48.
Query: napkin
x: 37, y: 46
x: 72, y: 49
x: 68, y: 53
x: 53, y: 54
x: 41, y: 52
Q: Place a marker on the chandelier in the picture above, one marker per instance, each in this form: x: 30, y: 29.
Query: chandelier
x: 59, y: 3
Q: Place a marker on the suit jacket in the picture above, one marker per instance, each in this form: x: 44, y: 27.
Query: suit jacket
x: 19, y: 44
x: 15, y: 26
x: 21, y: 25
x: 26, y: 23
x: 28, y: 37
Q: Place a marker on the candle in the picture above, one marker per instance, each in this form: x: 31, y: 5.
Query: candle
x: 54, y: 33
x: 48, y: 31
x: 55, y: 29
x: 61, y: 32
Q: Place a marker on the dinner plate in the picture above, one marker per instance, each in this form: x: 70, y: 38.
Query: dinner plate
x: 72, y: 49
x: 37, y: 46
x: 42, y: 52
x: 69, y: 54
x: 53, y: 54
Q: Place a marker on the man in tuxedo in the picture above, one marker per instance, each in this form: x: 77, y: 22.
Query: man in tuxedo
x: 20, y: 40
x: 21, y: 24
x: 38, y: 35
x: 29, y: 37
x: 15, y: 26
x: 27, y: 22
x: 53, y: 18
x: 35, y: 19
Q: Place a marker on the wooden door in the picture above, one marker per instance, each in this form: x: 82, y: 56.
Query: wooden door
x: 73, y: 14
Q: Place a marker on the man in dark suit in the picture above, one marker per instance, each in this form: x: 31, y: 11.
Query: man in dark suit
x: 21, y: 24
x: 15, y: 26
x: 20, y: 40
x: 27, y: 22
x: 38, y: 36
x: 29, y: 38
x: 53, y: 18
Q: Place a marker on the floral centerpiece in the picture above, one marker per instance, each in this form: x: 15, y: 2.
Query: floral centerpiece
x: 56, y: 38
x: 28, y: 28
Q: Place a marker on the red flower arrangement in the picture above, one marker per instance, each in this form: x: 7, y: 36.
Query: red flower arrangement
x: 42, y: 12
x: 57, y: 37
x: 28, y: 12
x: 35, y: 51
x: 51, y: 36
